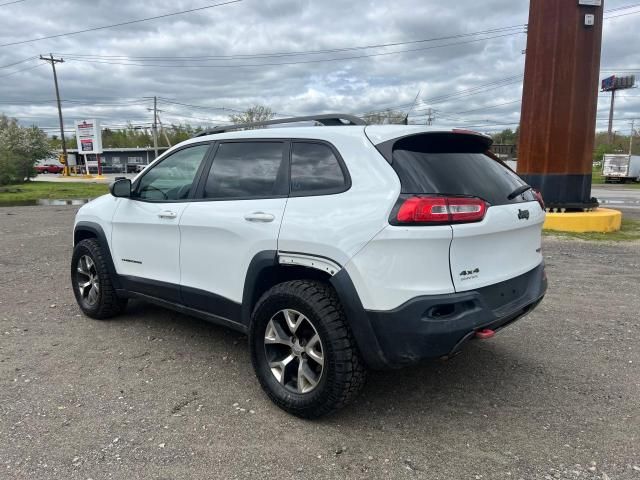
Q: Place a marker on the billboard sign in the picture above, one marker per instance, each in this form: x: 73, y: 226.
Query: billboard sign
x: 89, y: 137
x: 618, y: 83
x: 609, y: 83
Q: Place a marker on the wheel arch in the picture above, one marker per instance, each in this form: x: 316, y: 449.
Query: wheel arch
x: 265, y: 271
x: 87, y: 230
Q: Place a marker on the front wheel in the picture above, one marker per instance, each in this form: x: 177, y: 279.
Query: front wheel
x: 91, y: 281
x: 302, y: 350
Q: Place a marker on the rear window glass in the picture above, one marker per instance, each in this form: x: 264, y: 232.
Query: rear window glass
x: 315, y: 169
x: 448, y: 167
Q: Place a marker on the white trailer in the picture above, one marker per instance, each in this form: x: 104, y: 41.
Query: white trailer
x: 621, y: 168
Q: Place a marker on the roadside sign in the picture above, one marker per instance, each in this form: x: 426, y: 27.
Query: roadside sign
x: 89, y: 136
x: 609, y: 83
x: 618, y: 83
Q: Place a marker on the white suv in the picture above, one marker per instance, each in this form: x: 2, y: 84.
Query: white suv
x: 335, y: 248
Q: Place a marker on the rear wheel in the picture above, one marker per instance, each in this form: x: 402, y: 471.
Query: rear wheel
x: 91, y: 281
x: 302, y: 350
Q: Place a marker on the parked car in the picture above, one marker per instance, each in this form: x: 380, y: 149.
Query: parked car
x: 336, y: 249
x: 49, y: 168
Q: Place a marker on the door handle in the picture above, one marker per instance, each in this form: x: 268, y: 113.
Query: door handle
x: 259, y: 217
x: 167, y: 214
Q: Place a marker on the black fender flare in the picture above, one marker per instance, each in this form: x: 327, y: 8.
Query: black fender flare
x: 266, y: 263
x: 96, y: 230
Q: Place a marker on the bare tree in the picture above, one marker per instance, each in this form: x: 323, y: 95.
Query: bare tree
x: 385, y: 117
x: 257, y: 113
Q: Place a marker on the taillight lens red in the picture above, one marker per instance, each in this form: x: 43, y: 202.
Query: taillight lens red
x: 441, y: 210
x: 539, y: 198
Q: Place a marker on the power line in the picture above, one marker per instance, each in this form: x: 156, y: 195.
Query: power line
x: 130, y: 22
x: 355, y: 57
x: 625, y: 7
x: 621, y: 15
x: 11, y: 3
x: 489, y: 107
x: 295, y: 53
x: 19, y: 62
x: 167, y: 100
x: 22, y: 70
x: 461, y: 93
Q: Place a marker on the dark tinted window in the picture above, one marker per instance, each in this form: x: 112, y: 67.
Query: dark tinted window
x: 245, y: 170
x: 171, y: 179
x: 315, y: 169
x: 426, y: 166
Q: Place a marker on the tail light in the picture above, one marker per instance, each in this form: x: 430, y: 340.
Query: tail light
x: 539, y: 198
x: 440, y: 210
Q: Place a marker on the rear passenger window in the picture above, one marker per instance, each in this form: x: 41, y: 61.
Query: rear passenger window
x: 315, y: 169
x: 247, y: 170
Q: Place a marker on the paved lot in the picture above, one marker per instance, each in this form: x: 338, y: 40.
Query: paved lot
x: 620, y: 197
x: 158, y: 395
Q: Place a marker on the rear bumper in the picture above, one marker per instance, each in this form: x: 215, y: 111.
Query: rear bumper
x: 439, y: 325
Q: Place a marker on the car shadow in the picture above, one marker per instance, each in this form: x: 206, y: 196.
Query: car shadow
x: 487, y: 377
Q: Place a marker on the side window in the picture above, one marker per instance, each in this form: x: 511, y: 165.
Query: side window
x: 246, y: 170
x: 315, y: 169
x: 171, y: 179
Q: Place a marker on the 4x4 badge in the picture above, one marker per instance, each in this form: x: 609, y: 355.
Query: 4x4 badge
x: 523, y: 214
x: 469, y: 272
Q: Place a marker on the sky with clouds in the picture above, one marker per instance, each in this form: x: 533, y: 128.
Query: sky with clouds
x: 296, y: 56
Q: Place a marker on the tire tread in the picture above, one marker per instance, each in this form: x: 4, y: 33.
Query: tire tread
x: 350, y: 372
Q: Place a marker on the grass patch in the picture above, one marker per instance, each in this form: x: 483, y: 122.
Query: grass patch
x: 630, y: 231
x: 26, y: 192
x: 597, y: 178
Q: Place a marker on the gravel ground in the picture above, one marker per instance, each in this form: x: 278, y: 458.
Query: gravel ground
x: 155, y: 394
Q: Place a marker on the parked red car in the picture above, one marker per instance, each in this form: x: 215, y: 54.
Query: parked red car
x: 49, y: 168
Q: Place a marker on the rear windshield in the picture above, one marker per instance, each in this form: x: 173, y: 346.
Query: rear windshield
x: 454, y: 165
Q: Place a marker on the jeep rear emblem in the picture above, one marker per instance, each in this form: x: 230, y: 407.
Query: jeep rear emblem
x: 523, y: 214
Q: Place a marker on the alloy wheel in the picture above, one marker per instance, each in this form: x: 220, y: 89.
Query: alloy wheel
x: 294, y: 351
x: 87, y: 280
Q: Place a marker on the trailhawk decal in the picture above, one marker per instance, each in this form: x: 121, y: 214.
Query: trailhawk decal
x: 469, y: 274
x: 131, y: 261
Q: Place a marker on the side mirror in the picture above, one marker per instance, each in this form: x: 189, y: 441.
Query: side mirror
x: 121, y: 188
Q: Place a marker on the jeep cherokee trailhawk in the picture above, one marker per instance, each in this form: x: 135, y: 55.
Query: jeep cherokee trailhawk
x: 335, y: 248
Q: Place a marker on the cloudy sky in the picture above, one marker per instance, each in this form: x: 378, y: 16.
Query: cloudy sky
x: 296, y: 56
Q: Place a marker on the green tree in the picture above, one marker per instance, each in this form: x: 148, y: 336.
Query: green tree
x: 20, y: 149
x: 506, y: 137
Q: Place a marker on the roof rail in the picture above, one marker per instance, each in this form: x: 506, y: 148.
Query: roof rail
x: 330, y: 119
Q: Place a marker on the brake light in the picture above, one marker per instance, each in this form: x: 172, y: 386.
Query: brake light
x: 441, y: 210
x: 539, y: 198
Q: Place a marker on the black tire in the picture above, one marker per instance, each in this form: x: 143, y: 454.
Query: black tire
x: 107, y: 304
x: 343, y: 372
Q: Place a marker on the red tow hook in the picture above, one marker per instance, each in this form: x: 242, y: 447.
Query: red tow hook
x: 485, y: 333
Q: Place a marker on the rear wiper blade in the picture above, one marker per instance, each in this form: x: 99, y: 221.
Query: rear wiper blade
x: 519, y: 191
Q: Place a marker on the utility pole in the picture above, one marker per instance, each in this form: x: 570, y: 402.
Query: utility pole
x: 53, y: 62
x: 633, y: 132
x: 154, y: 127
x: 612, y: 84
x: 430, y: 117
x: 613, y: 102
x: 163, y: 130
